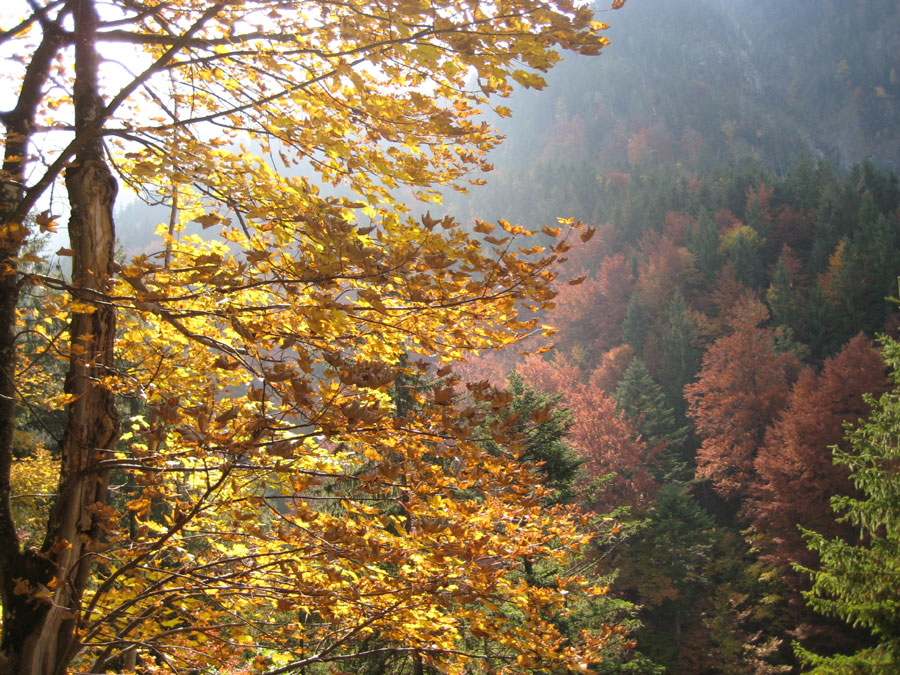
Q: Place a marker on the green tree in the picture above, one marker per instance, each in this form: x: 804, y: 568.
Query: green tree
x: 780, y: 296
x: 874, y: 263
x: 643, y: 403
x: 680, y: 356
x: 663, y: 566
x: 742, y: 247
x: 543, y: 423
x: 636, y: 324
x: 704, y: 244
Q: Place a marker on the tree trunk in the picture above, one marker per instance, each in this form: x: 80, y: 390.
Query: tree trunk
x: 20, y: 615
x: 92, y: 426
x: 46, y: 637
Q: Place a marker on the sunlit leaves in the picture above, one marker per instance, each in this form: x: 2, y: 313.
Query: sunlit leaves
x: 270, y: 494
x: 33, y: 485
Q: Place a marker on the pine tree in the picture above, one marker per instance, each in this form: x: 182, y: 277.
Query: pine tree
x: 780, y: 295
x: 544, y: 424
x: 743, y: 250
x: 635, y: 324
x: 874, y: 263
x: 680, y: 358
x: 663, y: 564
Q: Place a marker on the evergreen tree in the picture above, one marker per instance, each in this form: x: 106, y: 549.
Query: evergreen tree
x: 873, y: 260
x: 635, y: 325
x: 804, y: 183
x: 704, y: 244
x: 744, y: 253
x: 680, y: 358
x: 643, y: 403
x: 545, y: 424
x: 663, y: 566
x: 833, y: 220
x: 878, y: 183
x: 780, y: 296
x: 817, y: 317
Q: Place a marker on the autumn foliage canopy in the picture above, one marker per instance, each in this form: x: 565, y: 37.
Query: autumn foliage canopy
x: 264, y: 461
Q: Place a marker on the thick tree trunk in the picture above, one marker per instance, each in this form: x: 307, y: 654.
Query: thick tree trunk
x: 45, y: 632
x: 92, y: 424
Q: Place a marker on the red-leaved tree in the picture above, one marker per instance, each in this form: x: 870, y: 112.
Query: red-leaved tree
x: 553, y: 376
x: 609, y: 444
x: 664, y: 267
x: 589, y: 314
x: 742, y: 386
x: 796, y: 477
x: 611, y: 369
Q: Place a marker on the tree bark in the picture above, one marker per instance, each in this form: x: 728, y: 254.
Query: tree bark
x: 74, y: 527
x: 48, y: 639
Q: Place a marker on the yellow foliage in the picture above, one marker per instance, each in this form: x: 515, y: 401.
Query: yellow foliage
x: 288, y: 485
x: 740, y: 232
x: 32, y: 488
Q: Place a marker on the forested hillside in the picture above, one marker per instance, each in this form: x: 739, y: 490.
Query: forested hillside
x: 703, y: 83
x: 714, y: 337
x: 726, y: 321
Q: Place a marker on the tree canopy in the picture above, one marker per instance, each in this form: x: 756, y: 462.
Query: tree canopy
x: 238, y: 481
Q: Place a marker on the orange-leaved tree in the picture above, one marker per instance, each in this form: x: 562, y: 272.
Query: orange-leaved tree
x: 796, y: 479
x: 742, y: 386
x: 282, y: 493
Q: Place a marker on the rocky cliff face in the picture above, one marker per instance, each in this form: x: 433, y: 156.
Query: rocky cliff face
x: 836, y: 67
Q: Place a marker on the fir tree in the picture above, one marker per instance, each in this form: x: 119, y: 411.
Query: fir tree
x: 704, y: 244
x: 643, y: 403
x: 680, y: 358
x: 780, y: 295
x: 635, y: 325
x: 545, y: 423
